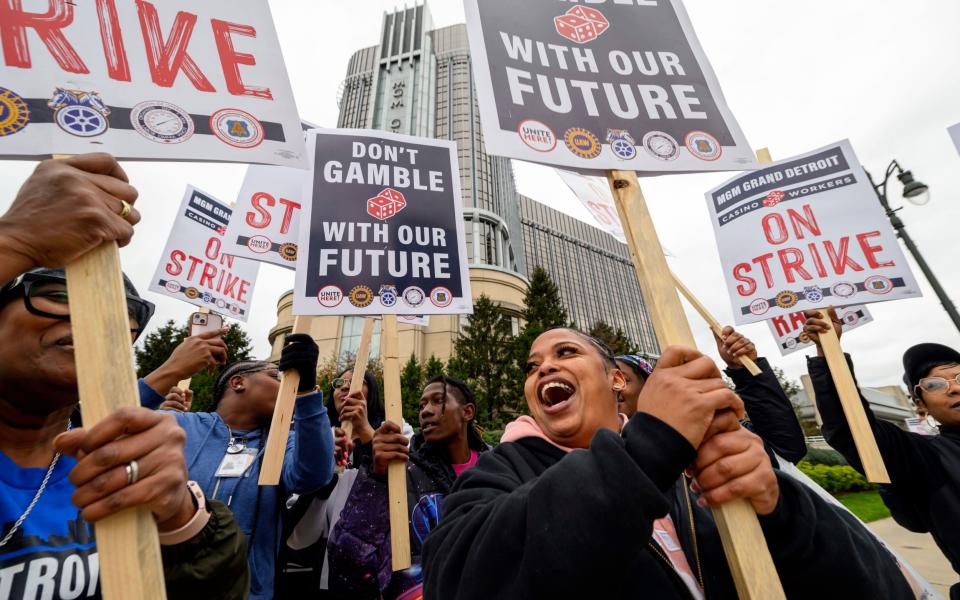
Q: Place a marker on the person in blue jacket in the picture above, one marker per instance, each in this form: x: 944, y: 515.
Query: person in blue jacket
x: 224, y: 448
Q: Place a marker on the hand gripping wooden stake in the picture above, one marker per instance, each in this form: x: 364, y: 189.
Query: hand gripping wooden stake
x: 359, y: 368
x: 743, y: 543
x: 863, y: 438
x: 272, y: 465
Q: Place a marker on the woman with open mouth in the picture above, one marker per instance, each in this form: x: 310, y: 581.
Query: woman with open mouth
x: 577, y: 502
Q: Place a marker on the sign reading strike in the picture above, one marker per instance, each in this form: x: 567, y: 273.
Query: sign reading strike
x: 383, y: 227
x: 594, y: 194
x: 146, y: 79
x: 803, y: 233
x: 602, y: 85
x: 266, y: 219
x: 787, y: 330
x: 193, y: 266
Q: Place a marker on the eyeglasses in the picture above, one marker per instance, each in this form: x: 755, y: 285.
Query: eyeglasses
x: 936, y: 384
x: 46, y: 296
x: 340, y: 382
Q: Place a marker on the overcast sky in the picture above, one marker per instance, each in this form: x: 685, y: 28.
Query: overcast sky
x: 797, y: 76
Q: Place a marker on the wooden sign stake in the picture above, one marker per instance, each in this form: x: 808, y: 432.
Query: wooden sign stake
x: 397, y: 470
x: 744, y: 545
x: 714, y: 325
x: 272, y: 465
x: 873, y: 465
x: 359, y: 368
x: 127, y: 542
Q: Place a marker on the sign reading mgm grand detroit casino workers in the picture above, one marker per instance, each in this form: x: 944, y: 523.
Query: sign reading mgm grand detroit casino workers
x: 175, y: 80
x: 381, y: 230
x: 193, y: 266
x: 609, y: 84
x: 804, y: 233
x: 788, y: 330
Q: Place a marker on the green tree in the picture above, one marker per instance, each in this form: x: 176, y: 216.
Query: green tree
x: 617, y: 339
x: 480, y: 360
x: 411, y: 385
x: 433, y: 368
x: 157, y: 347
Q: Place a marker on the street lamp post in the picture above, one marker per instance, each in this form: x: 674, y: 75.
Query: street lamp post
x: 917, y: 193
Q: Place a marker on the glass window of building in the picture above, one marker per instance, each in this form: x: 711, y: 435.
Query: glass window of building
x: 351, y: 329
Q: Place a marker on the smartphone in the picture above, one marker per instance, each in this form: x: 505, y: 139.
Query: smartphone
x: 204, y: 322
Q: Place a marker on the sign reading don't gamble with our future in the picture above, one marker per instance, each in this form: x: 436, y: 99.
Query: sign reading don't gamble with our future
x: 171, y: 80
x: 600, y: 85
x: 382, y: 227
x: 194, y: 268
x: 806, y: 233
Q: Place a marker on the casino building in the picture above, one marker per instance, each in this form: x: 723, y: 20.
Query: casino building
x: 418, y: 81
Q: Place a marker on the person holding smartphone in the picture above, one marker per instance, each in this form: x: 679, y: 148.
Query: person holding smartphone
x: 203, y: 349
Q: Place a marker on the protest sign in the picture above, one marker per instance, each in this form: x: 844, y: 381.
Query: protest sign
x: 415, y: 320
x: 265, y: 223
x: 955, y: 135
x: 172, y: 80
x: 594, y: 194
x: 805, y: 233
x: 607, y: 85
x: 193, y: 267
x: 787, y: 330
x: 382, y: 229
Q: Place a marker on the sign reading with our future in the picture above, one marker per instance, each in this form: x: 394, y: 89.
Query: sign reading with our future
x: 193, y: 266
x: 176, y: 80
x: 609, y: 84
x: 382, y: 227
x: 806, y: 232
x: 787, y: 330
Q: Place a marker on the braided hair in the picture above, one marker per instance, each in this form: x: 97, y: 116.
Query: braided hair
x: 243, y: 367
x: 474, y: 432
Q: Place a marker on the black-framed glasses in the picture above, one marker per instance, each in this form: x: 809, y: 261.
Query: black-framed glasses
x: 46, y: 296
x: 936, y: 384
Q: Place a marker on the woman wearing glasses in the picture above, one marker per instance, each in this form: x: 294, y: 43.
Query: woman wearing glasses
x: 924, y: 490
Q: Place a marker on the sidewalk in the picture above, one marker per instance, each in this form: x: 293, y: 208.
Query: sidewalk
x: 920, y: 551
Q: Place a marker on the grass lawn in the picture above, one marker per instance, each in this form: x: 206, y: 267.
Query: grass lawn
x: 866, y: 505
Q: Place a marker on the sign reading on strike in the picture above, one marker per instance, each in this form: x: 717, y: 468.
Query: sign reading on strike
x: 806, y: 232
x: 382, y: 227
x: 787, y: 330
x: 173, y: 80
x: 955, y: 135
x: 193, y: 266
x: 604, y: 85
x: 265, y: 222
x: 594, y: 194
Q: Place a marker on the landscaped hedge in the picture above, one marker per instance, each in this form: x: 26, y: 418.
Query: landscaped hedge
x: 492, y: 436
x: 817, y: 456
x: 836, y: 479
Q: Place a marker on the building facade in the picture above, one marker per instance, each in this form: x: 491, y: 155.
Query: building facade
x: 419, y: 81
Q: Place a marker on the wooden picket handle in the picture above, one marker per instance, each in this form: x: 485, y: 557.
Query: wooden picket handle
x: 751, y: 565
x: 714, y: 325
x: 127, y: 542
x: 359, y: 368
x: 185, y: 383
x: 866, y: 443
x: 272, y: 465
x: 397, y: 470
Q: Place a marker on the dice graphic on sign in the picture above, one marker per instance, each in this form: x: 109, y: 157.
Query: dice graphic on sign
x: 386, y: 204
x: 581, y: 24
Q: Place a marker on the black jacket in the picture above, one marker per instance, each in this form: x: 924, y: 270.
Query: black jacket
x: 531, y: 521
x: 770, y: 411
x: 924, y: 493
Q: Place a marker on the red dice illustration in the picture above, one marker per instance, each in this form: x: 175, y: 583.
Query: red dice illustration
x: 581, y: 24
x: 386, y: 204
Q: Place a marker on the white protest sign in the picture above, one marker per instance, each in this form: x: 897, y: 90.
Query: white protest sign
x: 171, y: 80
x: 265, y: 223
x: 594, y: 194
x: 607, y: 85
x: 955, y: 135
x: 805, y: 233
x: 193, y: 266
x: 382, y: 229
x: 415, y: 320
x: 787, y: 330
x: 921, y: 426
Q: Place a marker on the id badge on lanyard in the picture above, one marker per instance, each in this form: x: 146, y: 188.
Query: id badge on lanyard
x: 236, y: 465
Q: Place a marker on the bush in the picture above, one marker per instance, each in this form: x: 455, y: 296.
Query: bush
x: 836, y: 479
x: 816, y: 456
x: 492, y: 436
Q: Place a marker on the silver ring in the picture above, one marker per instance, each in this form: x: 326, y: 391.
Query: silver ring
x: 133, y: 472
